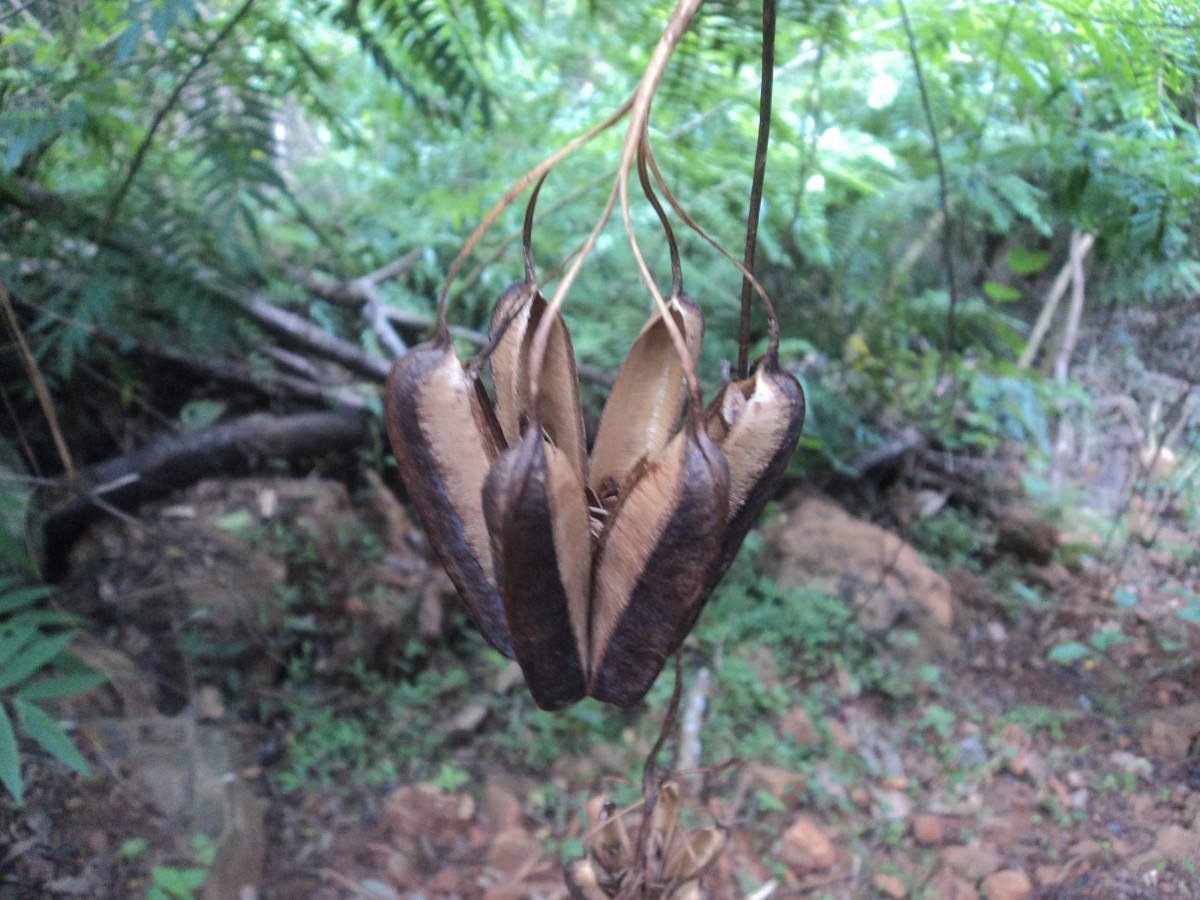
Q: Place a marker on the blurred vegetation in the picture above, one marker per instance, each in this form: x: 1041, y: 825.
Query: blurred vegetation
x: 164, y: 163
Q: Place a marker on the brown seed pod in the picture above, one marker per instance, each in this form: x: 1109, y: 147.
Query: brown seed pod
x: 651, y: 564
x: 642, y: 412
x: 445, y: 437
x: 537, y: 517
x: 514, y: 322
x: 756, y: 420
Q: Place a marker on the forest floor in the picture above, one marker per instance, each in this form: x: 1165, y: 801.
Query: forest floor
x: 1005, y: 774
x: 296, y: 708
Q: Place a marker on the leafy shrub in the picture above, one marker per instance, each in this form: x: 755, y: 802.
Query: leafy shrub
x: 35, y: 666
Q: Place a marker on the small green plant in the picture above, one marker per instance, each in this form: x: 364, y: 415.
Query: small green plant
x: 181, y: 883
x: 35, y: 666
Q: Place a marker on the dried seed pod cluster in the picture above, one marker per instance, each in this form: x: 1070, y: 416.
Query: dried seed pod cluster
x: 669, y: 866
x: 589, y: 570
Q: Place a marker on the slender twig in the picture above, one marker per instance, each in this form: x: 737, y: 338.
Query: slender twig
x: 760, y: 171
x: 139, y: 156
x: 510, y: 195
x: 12, y: 13
x: 1005, y: 33
x: 39, y: 383
x: 639, y: 113
x: 943, y: 199
x: 468, y: 281
x: 808, y: 151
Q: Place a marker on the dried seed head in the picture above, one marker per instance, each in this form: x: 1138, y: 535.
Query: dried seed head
x: 757, y: 423
x: 694, y: 854
x: 515, y: 320
x: 582, y: 881
x: 537, y: 515
x: 642, y: 412
x: 651, y: 563
x: 445, y: 437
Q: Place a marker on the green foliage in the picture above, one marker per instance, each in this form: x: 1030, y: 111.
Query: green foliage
x: 35, y: 663
x: 182, y: 883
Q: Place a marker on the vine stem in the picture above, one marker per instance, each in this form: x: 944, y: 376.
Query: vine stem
x: 943, y: 199
x: 639, y: 115
x: 537, y: 172
x: 766, y: 91
x: 139, y: 155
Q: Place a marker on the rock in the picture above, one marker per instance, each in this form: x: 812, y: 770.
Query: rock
x: 891, y: 805
x: 1130, y: 762
x: 841, y: 736
x: 782, y: 784
x: 377, y: 890
x: 797, y: 725
x: 946, y: 885
x: 1165, y: 734
x: 971, y: 752
x: 514, y: 850
x: 815, y: 543
x: 1176, y: 844
x: 806, y: 849
x: 190, y: 773
x: 428, y: 822
x: 971, y: 862
x: 928, y: 829
x: 500, y: 809
x: 1011, y: 884
x: 890, y: 885
x: 1049, y: 876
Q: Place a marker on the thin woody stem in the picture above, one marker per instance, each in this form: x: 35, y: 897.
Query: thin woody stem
x: 538, y: 171
x: 756, y: 185
x: 772, y: 318
x: 638, y: 117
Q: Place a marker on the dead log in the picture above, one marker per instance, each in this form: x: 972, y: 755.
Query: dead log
x: 125, y: 482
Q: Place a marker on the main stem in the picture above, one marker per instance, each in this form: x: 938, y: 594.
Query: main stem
x: 638, y: 118
x: 760, y: 172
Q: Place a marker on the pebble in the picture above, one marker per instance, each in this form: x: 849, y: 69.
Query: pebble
x: 1011, y: 884
x: 890, y: 885
x: 806, y: 848
x: 929, y: 830
x: 971, y: 862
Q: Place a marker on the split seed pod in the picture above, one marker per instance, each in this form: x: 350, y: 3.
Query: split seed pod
x: 668, y: 520
x: 755, y: 420
x: 651, y: 565
x: 534, y: 500
x: 515, y: 320
x: 642, y: 412
x: 537, y: 516
x: 445, y: 437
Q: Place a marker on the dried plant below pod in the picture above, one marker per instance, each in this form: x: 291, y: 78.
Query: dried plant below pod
x: 676, y: 859
x: 642, y: 852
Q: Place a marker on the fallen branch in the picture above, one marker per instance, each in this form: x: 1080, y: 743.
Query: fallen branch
x: 125, y: 482
x: 1057, y: 290
x: 320, y: 342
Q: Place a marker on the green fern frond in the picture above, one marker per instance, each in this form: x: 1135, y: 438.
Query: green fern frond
x: 430, y: 49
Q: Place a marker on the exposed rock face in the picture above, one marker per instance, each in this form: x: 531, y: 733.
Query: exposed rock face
x: 813, y: 542
x: 189, y: 773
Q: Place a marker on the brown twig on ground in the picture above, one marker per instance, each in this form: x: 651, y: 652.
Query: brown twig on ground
x: 39, y: 383
x: 1057, y: 290
x: 175, y: 461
